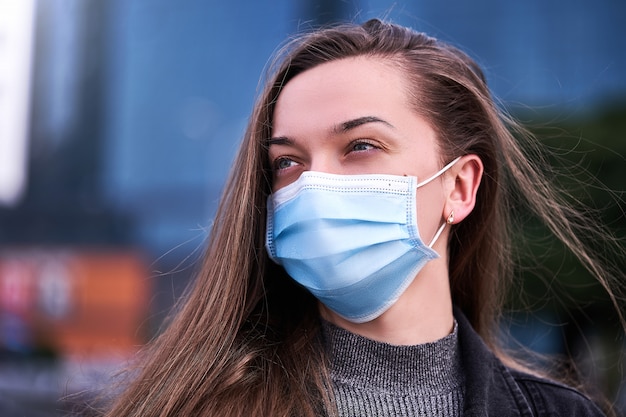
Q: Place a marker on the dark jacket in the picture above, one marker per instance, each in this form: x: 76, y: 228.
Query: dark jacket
x: 492, y: 389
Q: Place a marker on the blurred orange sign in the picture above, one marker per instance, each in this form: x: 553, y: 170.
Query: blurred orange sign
x: 75, y: 302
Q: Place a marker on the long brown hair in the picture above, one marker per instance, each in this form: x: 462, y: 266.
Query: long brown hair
x: 245, y: 339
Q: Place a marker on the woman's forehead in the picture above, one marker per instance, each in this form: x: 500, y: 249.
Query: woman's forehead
x: 340, y: 90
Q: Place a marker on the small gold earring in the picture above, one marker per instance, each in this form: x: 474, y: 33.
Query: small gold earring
x: 450, y: 218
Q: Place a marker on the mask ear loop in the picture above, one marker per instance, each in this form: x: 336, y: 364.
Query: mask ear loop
x: 438, y: 173
x: 439, y: 231
x: 451, y: 217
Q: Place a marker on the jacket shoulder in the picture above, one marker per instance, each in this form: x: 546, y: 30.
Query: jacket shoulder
x: 550, y: 398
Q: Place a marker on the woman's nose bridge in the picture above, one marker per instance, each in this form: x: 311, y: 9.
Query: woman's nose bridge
x: 323, y: 159
x: 325, y: 163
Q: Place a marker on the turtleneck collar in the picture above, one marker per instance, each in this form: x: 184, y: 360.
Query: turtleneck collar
x: 427, y: 369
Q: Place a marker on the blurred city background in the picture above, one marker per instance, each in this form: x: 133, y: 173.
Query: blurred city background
x: 119, y: 120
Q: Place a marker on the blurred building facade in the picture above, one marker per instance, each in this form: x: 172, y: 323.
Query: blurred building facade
x: 138, y: 106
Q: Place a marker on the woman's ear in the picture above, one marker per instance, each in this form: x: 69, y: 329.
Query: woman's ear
x: 462, y: 184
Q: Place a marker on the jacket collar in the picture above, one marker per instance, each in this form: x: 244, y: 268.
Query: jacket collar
x: 490, y: 387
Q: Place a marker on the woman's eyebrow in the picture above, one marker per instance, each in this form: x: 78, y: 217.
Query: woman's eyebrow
x: 279, y: 140
x: 354, y: 123
x: 339, y: 128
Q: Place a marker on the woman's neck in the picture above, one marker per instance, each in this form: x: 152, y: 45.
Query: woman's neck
x: 422, y: 314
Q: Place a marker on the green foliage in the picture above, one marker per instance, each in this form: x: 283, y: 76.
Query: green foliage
x: 587, y: 161
x: 587, y: 157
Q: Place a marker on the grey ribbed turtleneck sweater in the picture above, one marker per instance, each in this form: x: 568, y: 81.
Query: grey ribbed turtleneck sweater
x: 377, y: 379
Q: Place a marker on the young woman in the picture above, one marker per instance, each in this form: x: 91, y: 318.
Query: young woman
x: 359, y: 258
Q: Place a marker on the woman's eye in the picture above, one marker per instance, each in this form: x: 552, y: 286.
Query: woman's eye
x: 362, y: 146
x: 283, y: 163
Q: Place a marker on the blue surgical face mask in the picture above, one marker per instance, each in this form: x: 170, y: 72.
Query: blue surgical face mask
x: 351, y: 240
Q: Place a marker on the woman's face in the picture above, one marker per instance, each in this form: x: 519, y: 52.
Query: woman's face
x: 353, y: 116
